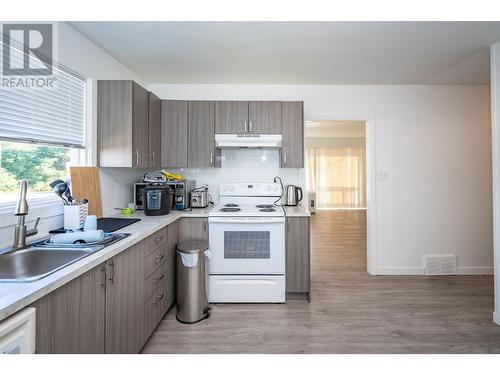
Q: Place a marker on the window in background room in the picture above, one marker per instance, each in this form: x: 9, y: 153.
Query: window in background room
x: 42, y: 133
x: 337, y: 175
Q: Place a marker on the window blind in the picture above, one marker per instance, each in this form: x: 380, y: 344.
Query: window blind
x: 45, y: 115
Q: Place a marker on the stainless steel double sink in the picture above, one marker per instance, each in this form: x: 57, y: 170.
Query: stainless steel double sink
x: 43, y: 258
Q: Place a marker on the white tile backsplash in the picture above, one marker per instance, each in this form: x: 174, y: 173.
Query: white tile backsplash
x: 117, y: 183
x: 250, y: 158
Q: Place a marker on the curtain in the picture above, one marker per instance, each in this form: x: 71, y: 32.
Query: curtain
x: 337, y: 175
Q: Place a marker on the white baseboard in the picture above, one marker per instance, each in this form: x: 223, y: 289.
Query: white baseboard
x: 412, y: 271
x: 496, y: 317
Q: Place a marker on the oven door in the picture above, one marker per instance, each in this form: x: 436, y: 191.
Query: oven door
x: 247, y: 245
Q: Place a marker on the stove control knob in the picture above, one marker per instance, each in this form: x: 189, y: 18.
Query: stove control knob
x: 231, y: 188
x: 268, y: 187
x: 275, y: 188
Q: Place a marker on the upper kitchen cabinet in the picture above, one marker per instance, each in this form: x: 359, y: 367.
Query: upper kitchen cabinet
x: 122, y: 124
x: 174, y: 133
x: 201, y: 134
x: 292, y: 143
x: 264, y: 117
x: 154, y: 131
x: 231, y: 117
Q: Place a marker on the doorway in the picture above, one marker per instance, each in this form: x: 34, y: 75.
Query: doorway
x: 339, y: 166
x: 336, y: 163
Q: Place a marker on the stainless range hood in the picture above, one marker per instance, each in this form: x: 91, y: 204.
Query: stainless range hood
x: 248, y: 140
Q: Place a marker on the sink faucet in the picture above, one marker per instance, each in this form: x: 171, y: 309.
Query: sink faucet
x: 20, y: 231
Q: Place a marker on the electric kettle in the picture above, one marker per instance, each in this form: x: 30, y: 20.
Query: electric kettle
x: 292, y: 195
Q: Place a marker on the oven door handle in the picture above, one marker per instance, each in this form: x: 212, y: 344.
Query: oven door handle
x: 275, y: 220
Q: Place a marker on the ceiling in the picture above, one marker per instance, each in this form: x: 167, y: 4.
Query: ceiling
x: 335, y: 129
x: 300, y: 52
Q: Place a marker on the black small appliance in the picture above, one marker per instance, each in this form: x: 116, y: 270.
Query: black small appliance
x: 157, y: 199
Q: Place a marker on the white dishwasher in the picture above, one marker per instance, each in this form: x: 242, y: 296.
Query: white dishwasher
x: 17, y: 333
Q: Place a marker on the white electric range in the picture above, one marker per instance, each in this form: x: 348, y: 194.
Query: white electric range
x: 247, y: 244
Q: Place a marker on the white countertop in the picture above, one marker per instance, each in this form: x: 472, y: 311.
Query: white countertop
x: 296, y: 211
x: 15, y: 296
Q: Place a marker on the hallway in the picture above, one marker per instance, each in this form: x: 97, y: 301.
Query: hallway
x: 350, y: 311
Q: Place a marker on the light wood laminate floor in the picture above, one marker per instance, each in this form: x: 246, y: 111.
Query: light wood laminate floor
x: 350, y: 311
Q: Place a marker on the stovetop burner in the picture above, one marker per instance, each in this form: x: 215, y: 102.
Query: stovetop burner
x: 230, y: 209
x: 264, y: 206
x: 267, y: 210
x: 231, y: 205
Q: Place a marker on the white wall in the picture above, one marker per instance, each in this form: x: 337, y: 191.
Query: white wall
x: 495, y: 124
x: 84, y: 57
x: 435, y: 142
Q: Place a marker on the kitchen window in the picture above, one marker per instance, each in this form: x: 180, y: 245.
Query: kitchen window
x: 42, y: 133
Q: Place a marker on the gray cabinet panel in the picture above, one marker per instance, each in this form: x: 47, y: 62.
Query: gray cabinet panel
x: 201, y: 128
x: 231, y: 117
x: 292, y: 149
x: 114, y: 123
x: 193, y: 228
x: 154, y: 121
x: 140, y: 127
x: 264, y: 117
x: 71, y: 319
x: 174, y: 133
x: 124, y: 300
x: 297, y: 255
x: 173, y: 240
x: 122, y: 124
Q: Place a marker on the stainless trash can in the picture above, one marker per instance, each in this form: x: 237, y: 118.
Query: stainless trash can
x: 192, y: 301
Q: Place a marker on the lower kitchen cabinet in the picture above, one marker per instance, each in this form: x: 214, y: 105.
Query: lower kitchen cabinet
x: 173, y: 240
x: 160, y: 282
x: 193, y: 228
x: 115, y: 307
x: 124, y: 300
x: 71, y: 319
x: 297, y: 256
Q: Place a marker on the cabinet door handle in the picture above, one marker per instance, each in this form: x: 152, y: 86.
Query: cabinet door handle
x: 157, y: 239
x: 111, y: 278
x: 159, y: 278
x: 103, y: 272
x: 205, y: 226
x: 158, y: 298
x: 159, y: 258
x: 137, y: 157
x: 246, y: 127
x: 154, y: 158
x: 251, y: 127
x: 211, y: 158
x: 284, y: 159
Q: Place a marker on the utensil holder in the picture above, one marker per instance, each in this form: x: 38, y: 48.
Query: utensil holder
x: 74, y: 216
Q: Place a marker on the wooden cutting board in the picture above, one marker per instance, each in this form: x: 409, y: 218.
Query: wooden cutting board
x: 86, y: 183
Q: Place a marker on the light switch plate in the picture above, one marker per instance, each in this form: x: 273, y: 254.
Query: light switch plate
x: 383, y: 175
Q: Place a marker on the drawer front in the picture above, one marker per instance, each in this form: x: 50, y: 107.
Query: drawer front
x: 155, y: 307
x: 153, y: 261
x: 156, y: 240
x: 152, y: 308
x: 157, y: 278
